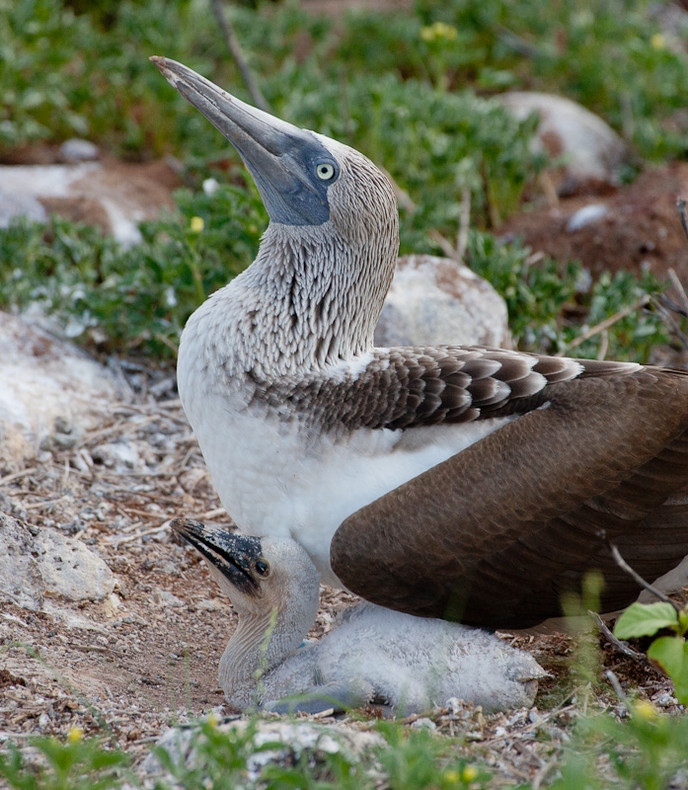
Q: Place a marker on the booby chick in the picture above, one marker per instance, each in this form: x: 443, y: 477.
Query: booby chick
x: 410, y: 664
x: 461, y: 483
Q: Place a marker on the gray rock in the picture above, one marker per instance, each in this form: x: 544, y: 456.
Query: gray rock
x: 114, y: 196
x: 14, y: 205
x: 592, y: 152
x: 77, y: 150
x: 290, y: 742
x: 437, y: 300
x: 36, y: 564
x: 585, y: 216
x: 51, y: 392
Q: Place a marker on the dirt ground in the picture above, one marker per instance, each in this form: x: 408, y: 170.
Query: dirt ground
x: 641, y: 230
x: 147, y: 657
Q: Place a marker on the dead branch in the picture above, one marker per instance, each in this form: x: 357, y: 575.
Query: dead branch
x: 238, y: 54
x: 464, y: 225
x: 608, y: 322
x: 621, y: 562
x: 681, y: 206
x: 617, y: 643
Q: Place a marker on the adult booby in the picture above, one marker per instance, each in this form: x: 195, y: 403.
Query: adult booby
x: 452, y: 482
x: 410, y: 664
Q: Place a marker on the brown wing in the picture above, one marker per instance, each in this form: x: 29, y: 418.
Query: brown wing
x: 494, y: 535
x: 413, y: 386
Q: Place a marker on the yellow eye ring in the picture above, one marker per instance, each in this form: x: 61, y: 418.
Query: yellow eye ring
x: 324, y: 171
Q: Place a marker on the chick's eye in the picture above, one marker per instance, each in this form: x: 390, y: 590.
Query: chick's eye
x: 324, y: 171
x: 262, y: 568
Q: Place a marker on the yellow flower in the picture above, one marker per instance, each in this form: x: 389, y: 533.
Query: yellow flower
x: 452, y: 777
x: 644, y: 709
x: 658, y: 41
x: 438, y: 30
x: 213, y: 719
x: 469, y: 773
x: 75, y: 734
x: 196, y: 225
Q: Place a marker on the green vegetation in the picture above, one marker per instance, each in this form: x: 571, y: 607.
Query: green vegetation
x: 643, y: 750
x: 136, y: 299
x: 411, y: 90
x: 75, y: 764
x: 670, y: 652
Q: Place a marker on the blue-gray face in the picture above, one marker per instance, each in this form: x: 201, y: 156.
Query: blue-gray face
x: 292, y: 168
x: 294, y: 182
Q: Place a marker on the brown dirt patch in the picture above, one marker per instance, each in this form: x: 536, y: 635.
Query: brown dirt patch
x: 641, y: 230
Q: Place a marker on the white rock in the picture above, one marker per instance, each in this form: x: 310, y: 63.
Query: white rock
x: 78, y: 150
x: 166, y: 598
x: 122, y: 208
x: 591, y: 150
x: 119, y: 456
x: 585, y: 216
x: 50, y: 390
x: 39, y: 563
x: 436, y: 300
x: 291, y: 741
x: 13, y: 205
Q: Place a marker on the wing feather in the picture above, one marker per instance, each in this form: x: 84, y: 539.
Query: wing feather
x: 496, y: 534
x: 413, y: 386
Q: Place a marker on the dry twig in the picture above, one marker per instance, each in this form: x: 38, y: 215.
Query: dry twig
x: 238, y: 54
x: 608, y: 322
x: 621, y: 562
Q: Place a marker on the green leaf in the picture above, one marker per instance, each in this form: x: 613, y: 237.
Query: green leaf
x: 645, y: 619
x: 683, y: 621
x: 671, y: 653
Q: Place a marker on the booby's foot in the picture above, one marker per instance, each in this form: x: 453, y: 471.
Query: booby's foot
x: 337, y: 697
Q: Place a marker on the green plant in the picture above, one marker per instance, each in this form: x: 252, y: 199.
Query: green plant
x: 419, y: 759
x: 551, y: 303
x: 645, y: 750
x: 135, y: 299
x: 75, y: 763
x: 669, y: 652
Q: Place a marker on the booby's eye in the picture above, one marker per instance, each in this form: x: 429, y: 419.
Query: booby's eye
x: 325, y: 171
x: 262, y: 568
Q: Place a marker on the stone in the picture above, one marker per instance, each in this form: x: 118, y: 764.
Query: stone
x: 587, y: 215
x: 15, y: 205
x: 591, y: 152
x: 436, y: 300
x: 51, y: 393
x: 281, y: 742
x: 78, y: 150
x: 41, y: 563
x: 115, y: 196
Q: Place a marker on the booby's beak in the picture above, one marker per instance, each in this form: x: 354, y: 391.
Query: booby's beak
x: 234, y: 556
x: 291, y: 167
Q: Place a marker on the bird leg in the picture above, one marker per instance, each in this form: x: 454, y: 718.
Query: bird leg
x: 338, y: 697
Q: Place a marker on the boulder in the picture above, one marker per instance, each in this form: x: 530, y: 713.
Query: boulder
x: 113, y: 195
x: 51, y: 393
x: 277, y: 743
x: 39, y: 563
x: 591, y: 152
x: 437, y: 300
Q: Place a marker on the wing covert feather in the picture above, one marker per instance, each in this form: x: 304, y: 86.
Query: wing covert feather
x: 494, y: 535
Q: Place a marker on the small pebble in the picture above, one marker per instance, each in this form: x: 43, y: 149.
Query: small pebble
x: 424, y: 724
x: 77, y: 150
x: 586, y: 216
